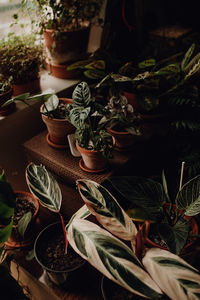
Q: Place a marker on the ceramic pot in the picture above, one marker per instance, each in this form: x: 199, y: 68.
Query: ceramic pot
x: 60, y: 71
x: 40, y: 250
x: 123, y: 140
x: 92, y: 161
x: 29, y: 87
x: 58, y: 129
x: 69, y: 46
x: 16, y: 240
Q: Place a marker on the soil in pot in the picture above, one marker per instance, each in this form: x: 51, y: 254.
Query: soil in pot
x: 50, y: 254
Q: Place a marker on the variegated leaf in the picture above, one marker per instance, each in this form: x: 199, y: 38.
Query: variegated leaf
x: 44, y: 186
x: 81, y: 94
x: 176, y: 278
x: 106, y: 209
x: 188, y: 198
x: 51, y: 104
x: 78, y: 115
x: 111, y: 257
x: 82, y: 213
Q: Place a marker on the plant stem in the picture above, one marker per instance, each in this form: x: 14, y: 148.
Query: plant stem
x: 64, y: 231
x: 181, y: 178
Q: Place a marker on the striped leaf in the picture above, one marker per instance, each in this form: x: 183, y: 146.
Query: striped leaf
x: 51, y: 104
x: 188, y: 198
x: 44, y: 187
x: 82, y: 213
x: 81, y: 94
x: 106, y: 209
x: 176, y: 278
x: 111, y: 257
x: 78, y: 115
x: 187, y: 57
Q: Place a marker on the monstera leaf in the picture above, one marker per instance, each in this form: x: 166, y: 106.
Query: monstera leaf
x: 111, y: 257
x: 81, y: 94
x: 44, y: 187
x: 188, y: 198
x: 106, y: 209
x: 176, y: 278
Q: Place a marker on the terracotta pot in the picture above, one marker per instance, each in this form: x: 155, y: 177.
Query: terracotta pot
x: 60, y: 71
x: 54, y: 275
x: 68, y: 46
x: 123, y: 140
x: 58, y: 129
x: 16, y: 240
x: 33, y: 86
x: 92, y: 161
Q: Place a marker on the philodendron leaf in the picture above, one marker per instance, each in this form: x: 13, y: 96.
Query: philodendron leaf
x: 51, y: 104
x: 78, y: 115
x: 188, y: 198
x: 44, y: 187
x: 141, y: 192
x: 81, y: 95
x: 23, y: 223
x: 106, y: 209
x: 174, y: 236
x: 176, y: 278
x: 111, y: 257
x: 5, y: 232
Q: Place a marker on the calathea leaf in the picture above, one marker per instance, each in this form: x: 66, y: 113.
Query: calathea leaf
x: 176, y: 278
x: 78, y: 64
x: 44, y: 186
x: 174, y: 236
x: 147, y: 63
x: 51, y: 104
x: 81, y: 94
x: 187, y: 57
x: 141, y: 192
x: 167, y: 70
x: 106, y: 209
x: 111, y: 257
x: 188, y: 198
x: 94, y: 74
x: 78, y: 115
x: 82, y: 213
x: 96, y: 64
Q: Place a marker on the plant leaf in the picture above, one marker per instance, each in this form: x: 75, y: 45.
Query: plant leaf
x: 78, y: 64
x: 81, y: 94
x: 51, y: 104
x: 78, y: 115
x: 174, y: 236
x: 188, y: 198
x: 167, y: 70
x: 5, y: 232
x: 96, y: 64
x: 147, y: 63
x: 106, y: 209
x: 23, y: 223
x: 187, y: 57
x: 44, y: 187
x: 176, y: 278
x: 94, y: 74
x: 111, y: 257
x: 140, y: 192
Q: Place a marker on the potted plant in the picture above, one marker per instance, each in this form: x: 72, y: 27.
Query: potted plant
x: 21, y: 59
x: 149, y: 277
x: 51, y: 245
x: 5, y: 94
x: 120, y: 119
x: 167, y: 224
x: 93, y: 142
x: 19, y: 210
x: 65, y: 26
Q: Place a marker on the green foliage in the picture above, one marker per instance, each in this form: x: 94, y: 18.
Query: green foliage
x: 21, y: 58
x: 84, y: 115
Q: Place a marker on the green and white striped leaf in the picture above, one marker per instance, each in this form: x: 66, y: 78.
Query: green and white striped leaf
x: 78, y: 115
x: 176, y: 278
x: 82, y: 213
x: 51, y: 104
x: 188, y: 198
x: 81, y: 94
x: 44, y: 187
x: 111, y: 257
x: 106, y: 209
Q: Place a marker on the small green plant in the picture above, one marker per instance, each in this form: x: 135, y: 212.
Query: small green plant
x: 85, y: 114
x: 21, y: 58
x: 4, y: 85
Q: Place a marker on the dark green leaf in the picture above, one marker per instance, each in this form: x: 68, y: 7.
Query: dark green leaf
x: 24, y: 222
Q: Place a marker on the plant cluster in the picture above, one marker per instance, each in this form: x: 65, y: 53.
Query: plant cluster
x: 4, y: 85
x: 21, y: 58
x: 63, y: 14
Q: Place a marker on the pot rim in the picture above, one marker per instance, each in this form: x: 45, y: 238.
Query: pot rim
x: 65, y: 100
x: 41, y: 264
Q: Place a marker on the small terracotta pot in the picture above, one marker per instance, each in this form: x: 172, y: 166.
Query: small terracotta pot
x: 16, y: 240
x: 68, y: 46
x: 60, y: 71
x: 123, y: 140
x: 33, y: 86
x: 58, y: 129
x: 92, y: 161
